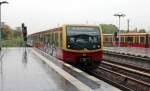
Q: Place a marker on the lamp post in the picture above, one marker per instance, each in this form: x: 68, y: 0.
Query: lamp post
x: 2, y: 2
x: 119, y: 15
x: 128, y: 24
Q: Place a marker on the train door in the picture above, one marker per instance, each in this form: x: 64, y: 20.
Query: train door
x: 142, y: 41
x: 136, y: 41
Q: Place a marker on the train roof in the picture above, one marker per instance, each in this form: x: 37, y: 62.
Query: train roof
x: 46, y: 31
x: 130, y: 34
x: 92, y: 25
x: 58, y: 28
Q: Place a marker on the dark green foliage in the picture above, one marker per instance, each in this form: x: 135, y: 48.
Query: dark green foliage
x: 108, y: 28
x: 12, y: 38
x: 142, y: 31
x: 15, y: 42
x: 6, y: 32
x: 111, y: 29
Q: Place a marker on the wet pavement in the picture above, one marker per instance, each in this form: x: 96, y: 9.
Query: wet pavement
x: 130, y: 50
x: 21, y: 70
x: 90, y: 81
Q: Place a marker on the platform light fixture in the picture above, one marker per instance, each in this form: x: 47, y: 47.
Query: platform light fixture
x: 119, y: 15
x: 2, y: 2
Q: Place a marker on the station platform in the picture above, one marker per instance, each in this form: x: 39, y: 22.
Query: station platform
x: 137, y: 51
x: 24, y: 69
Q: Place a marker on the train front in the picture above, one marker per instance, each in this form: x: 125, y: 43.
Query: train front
x: 83, y: 44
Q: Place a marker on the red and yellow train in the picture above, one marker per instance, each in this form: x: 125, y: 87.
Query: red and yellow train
x: 128, y: 40
x: 71, y: 43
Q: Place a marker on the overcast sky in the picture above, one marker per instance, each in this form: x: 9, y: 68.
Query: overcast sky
x: 40, y: 15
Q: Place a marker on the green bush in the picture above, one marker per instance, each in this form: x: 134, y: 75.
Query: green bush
x: 15, y: 42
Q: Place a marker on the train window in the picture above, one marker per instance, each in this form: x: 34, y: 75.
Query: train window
x: 56, y: 39
x: 41, y: 38
x: 125, y: 39
x: 113, y: 38
x: 122, y: 38
x: 129, y: 39
x: 137, y: 39
x: 51, y: 38
x: 38, y: 39
x: 149, y: 40
x: 80, y: 37
x: 105, y: 39
x: 47, y: 38
x: 61, y: 40
x: 108, y: 39
x: 142, y: 40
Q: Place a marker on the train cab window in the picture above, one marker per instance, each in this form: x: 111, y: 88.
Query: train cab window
x: 142, y: 40
x: 80, y: 37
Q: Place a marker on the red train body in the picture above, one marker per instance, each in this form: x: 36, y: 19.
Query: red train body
x: 128, y: 40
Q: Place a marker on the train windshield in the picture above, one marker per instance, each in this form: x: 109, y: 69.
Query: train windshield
x: 83, y: 37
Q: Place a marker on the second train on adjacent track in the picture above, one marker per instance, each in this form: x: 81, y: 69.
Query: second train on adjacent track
x: 128, y: 40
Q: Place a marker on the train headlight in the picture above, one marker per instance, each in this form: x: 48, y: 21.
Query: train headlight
x: 68, y: 46
x: 98, y: 46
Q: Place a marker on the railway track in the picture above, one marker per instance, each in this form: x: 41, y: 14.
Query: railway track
x: 129, y: 73
x: 132, y: 61
x: 123, y: 77
x: 131, y: 56
x: 129, y: 66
